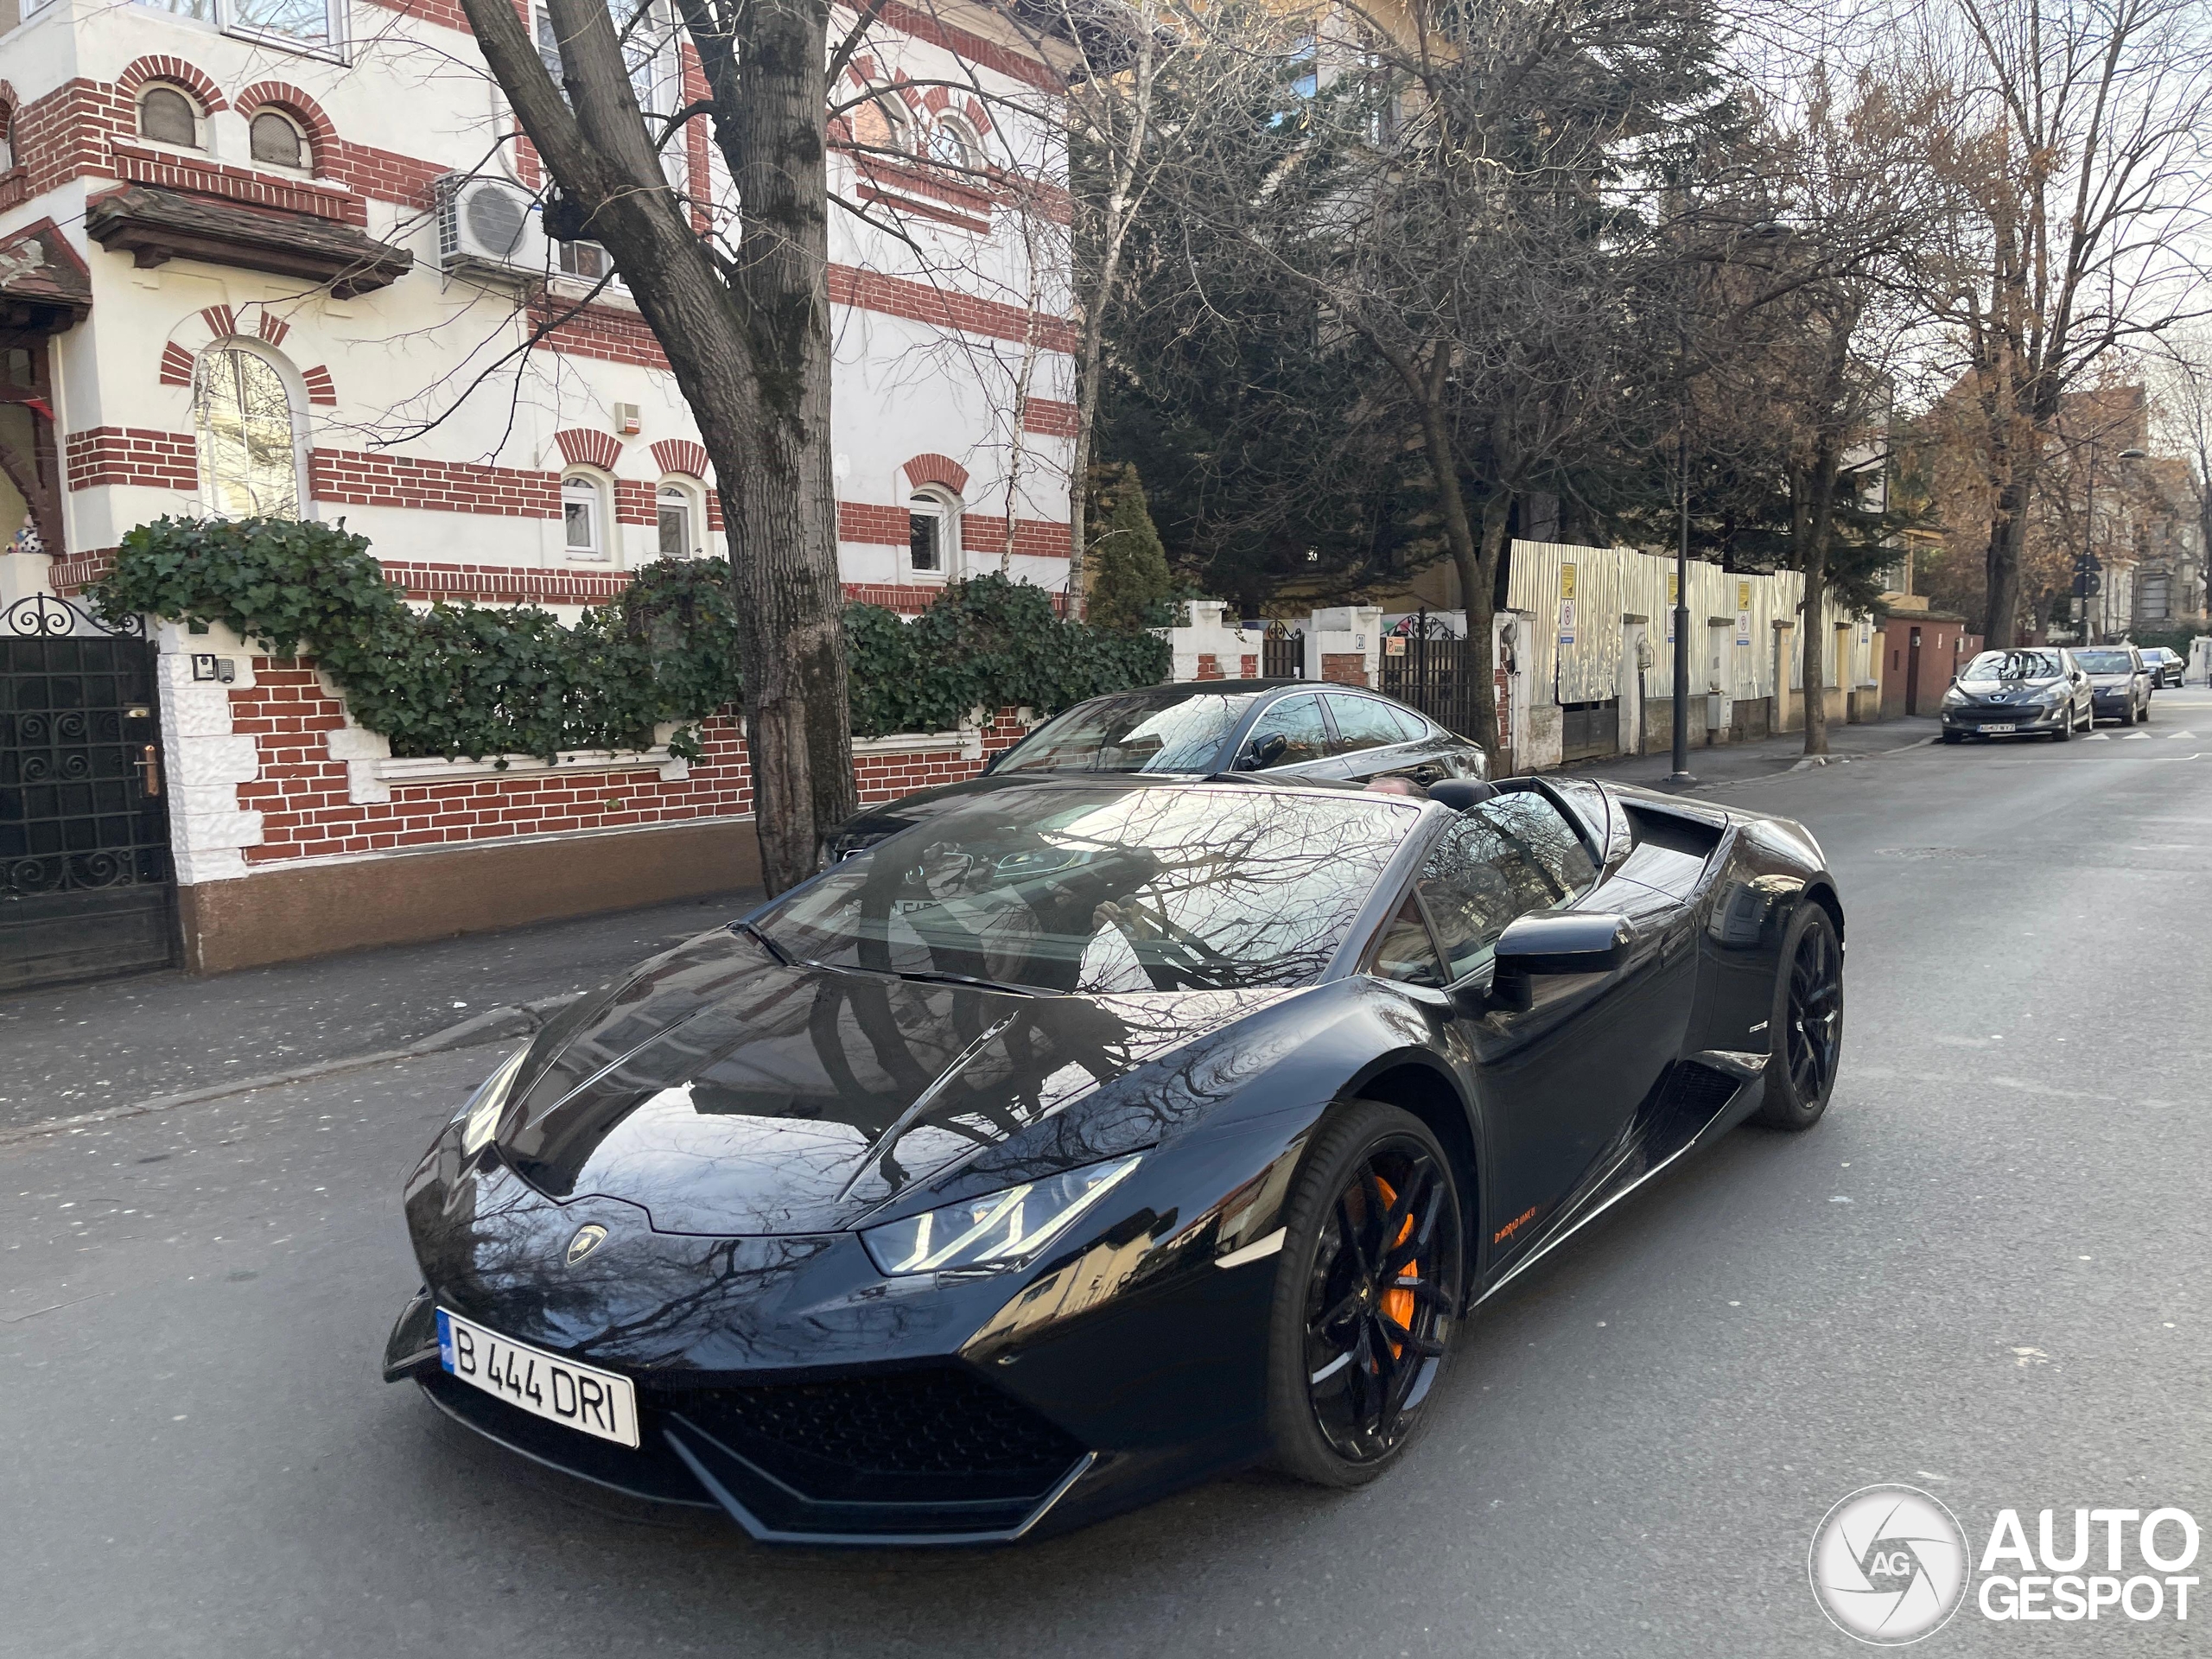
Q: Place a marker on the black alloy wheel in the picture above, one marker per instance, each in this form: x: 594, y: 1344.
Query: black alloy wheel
x: 1366, y: 1295
x: 1806, y: 1027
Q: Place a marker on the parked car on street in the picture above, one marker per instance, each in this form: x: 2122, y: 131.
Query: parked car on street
x: 1100, y: 1133
x: 2119, y: 682
x: 2166, y: 665
x: 2030, y: 691
x: 1280, y: 729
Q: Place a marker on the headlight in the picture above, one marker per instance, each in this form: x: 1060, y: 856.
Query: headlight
x: 996, y: 1230
x: 482, y: 1115
x: 1954, y: 698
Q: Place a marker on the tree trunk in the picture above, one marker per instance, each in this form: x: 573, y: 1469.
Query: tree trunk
x: 1474, y: 563
x: 750, y: 352
x: 1817, y: 516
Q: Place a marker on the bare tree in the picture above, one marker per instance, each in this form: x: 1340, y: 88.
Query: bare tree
x: 2071, y: 141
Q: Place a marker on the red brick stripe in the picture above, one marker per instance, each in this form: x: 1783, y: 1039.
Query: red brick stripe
x: 129, y: 454
x: 350, y: 478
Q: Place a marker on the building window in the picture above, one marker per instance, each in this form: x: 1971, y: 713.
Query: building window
x: 953, y: 143
x: 584, y: 259
x: 167, y: 115
x: 276, y: 141
x: 932, y: 521
x: 892, y: 128
x: 679, y: 524
x: 248, y: 438
x: 583, y: 517
x: 317, y: 26
x: 7, y: 139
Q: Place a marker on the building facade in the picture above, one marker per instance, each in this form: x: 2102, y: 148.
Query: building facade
x: 291, y: 259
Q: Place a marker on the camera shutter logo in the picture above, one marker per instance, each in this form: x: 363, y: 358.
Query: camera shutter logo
x: 1889, y: 1565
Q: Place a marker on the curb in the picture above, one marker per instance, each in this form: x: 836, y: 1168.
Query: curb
x: 1807, y: 763
x: 490, y: 1027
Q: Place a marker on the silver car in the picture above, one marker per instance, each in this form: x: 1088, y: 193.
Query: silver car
x: 2027, y: 691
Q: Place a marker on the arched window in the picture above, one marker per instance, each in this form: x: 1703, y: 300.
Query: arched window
x: 583, y: 517
x: 682, y: 524
x: 277, y: 142
x: 7, y: 139
x: 248, y: 436
x: 954, y: 143
x: 166, y: 115
x: 897, y: 127
x: 932, y: 532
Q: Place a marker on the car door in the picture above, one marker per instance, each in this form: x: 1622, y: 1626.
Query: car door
x: 1298, y: 723
x: 1559, y: 1081
x: 1374, y: 737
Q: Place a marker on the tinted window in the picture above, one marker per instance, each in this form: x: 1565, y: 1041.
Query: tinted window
x: 1502, y: 859
x: 1366, y: 723
x: 1297, y: 721
x: 2106, y: 662
x: 1136, y: 732
x: 1099, y: 888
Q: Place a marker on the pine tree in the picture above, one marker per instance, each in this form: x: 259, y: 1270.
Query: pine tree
x: 1130, y: 584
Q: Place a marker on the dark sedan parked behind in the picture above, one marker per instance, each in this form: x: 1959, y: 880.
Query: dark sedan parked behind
x: 2119, y: 682
x: 2032, y: 691
x: 2165, y: 666
x: 1284, y: 730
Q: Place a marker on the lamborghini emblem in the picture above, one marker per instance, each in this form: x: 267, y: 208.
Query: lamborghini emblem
x: 586, y: 1240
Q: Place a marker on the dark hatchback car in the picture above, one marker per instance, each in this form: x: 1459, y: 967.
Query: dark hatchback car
x: 1284, y: 730
x: 2119, y: 682
x: 2030, y: 691
x: 2165, y: 666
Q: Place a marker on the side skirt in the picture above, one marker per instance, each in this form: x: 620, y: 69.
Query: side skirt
x: 1608, y: 1190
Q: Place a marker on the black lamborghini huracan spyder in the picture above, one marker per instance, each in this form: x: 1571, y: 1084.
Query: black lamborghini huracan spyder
x: 1097, y: 1135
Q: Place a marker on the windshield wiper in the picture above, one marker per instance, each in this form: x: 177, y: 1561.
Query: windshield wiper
x: 932, y: 976
x: 767, y: 943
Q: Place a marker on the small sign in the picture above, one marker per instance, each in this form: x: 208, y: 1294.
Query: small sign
x: 1395, y: 645
x: 1566, y: 621
x: 1674, y: 599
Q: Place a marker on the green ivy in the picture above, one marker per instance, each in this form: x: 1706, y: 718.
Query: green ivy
x: 473, y: 680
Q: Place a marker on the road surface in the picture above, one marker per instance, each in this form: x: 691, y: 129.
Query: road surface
x: 1987, y: 1274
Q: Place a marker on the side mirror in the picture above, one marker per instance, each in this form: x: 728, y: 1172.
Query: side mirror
x: 1261, y: 753
x: 1564, y: 941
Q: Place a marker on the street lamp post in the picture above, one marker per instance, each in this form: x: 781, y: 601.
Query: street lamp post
x: 1681, y: 775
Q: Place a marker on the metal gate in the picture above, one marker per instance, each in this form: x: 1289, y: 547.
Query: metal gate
x: 1427, y: 665
x: 1589, y: 729
x: 86, y: 884
x: 1282, y: 652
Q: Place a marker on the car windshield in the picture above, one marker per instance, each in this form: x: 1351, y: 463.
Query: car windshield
x: 2014, y: 666
x: 1104, y: 888
x: 2106, y: 662
x: 1137, y: 731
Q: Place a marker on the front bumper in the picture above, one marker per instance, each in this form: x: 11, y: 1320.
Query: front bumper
x: 787, y: 1383
x: 2025, y: 719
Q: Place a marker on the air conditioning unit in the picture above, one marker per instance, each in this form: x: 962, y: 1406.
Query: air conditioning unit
x: 488, y: 227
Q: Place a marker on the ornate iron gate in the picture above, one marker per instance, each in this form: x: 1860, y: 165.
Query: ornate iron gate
x: 1282, y: 652
x: 1427, y: 665
x: 86, y: 883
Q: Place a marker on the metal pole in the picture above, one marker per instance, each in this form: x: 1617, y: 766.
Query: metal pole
x: 1681, y: 772
x: 2088, y: 545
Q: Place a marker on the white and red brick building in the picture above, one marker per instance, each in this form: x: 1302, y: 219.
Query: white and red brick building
x: 244, y: 266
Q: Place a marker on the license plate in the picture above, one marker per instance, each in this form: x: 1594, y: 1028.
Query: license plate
x: 2006, y: 726
x: 596, y: 1403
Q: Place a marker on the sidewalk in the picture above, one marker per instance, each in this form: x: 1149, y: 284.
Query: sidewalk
x: 1739, y: 763
x: 73, y: 1049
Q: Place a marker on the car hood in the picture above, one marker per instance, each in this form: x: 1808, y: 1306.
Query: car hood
x: 2011, y: 691
x: 728, y: 1093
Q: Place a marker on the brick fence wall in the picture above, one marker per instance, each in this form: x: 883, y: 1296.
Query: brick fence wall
x: 305, y: 796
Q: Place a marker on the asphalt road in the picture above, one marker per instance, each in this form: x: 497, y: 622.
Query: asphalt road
x: 1988, y: 1274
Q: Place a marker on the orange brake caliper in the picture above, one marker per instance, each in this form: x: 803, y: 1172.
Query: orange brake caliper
x: 1398, y: 1305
